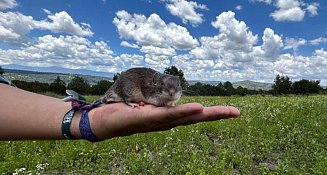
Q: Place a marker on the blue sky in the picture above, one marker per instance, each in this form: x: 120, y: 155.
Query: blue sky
x: 228, y: 40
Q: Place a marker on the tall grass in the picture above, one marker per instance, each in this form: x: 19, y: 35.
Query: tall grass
x: 274, y: 135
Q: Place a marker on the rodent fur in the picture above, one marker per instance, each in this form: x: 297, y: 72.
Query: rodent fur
x: 144, y: 85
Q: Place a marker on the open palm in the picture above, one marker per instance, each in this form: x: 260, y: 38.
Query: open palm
x: 118, y: 119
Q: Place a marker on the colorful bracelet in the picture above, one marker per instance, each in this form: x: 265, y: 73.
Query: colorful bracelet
x: 85, y: 128
x: 78, y: 102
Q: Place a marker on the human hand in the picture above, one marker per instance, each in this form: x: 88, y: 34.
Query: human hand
x: 42, y: 118
x: 118, y: 119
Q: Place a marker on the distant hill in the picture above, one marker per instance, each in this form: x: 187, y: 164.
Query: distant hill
x: 252, y: 85
x: 193, y: 82
x: 54, y: 69
x: 48, y: 77
x: 16, y: 71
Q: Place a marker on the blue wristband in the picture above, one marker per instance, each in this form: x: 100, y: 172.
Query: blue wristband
x: 85, y: 128
x: 65, y: 125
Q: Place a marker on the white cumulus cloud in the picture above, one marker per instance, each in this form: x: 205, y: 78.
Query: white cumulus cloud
x: 318, y: 41
x: 65, y: 51
x: 295, y: 43
x: 131, y: 45
x: 15, y: 26
x: 238, y: 7
x: 153, y: 50
x: 155, y: 38
x: 63, y: 22
x: 131, y: 60
x: 153, y: 31
x: 265, y: 1
x: 7, y: 4
x: 232, y: 43
x: 272, y: 44
x: 186, y: 10
x: 291, y: 10
x: 313, y: 8
x: 303, y: 67
x: 288, y: 10
x: 292, y: 43
x: 234, y: 34
x: 232, y: 54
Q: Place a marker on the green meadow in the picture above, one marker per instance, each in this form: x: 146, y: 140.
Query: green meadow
x: 274, y: 135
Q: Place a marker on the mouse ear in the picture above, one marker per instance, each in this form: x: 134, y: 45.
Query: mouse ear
x: 155, y: 78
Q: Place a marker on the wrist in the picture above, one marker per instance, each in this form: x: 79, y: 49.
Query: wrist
x: 96, y: 124
x: 74, y: 127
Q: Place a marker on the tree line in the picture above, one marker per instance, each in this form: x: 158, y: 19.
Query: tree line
x: 282, y: 86
x: 58, y: 86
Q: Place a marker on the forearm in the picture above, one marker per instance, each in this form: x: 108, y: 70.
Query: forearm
x: 25, y: 115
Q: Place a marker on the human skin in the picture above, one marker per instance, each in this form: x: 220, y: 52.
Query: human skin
x: 25, y: 116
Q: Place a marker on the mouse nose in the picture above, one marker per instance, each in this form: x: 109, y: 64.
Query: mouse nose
x: 171, y: 92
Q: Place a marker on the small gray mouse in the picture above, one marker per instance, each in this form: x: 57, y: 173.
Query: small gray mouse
x: 139, y: 86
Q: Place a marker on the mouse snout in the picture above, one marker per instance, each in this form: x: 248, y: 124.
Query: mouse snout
x: 171, y: 92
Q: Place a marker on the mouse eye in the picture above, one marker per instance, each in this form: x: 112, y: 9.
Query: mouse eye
x: 161, y: 83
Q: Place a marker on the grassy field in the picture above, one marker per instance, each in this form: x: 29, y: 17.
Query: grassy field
x: 274, y: 135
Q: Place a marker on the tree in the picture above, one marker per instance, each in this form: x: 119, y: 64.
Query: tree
x: 35, y: 86
x: 101, y: 87
x: 229, y: 88
x: 58, y: 86
x: 241, y: 91
x: 306, y: 87
x: 1, y: 70
x: 198, y: 89
x: 282, y: 85
x: 173, y: 70
x: 324, y: 91
x: 116, y: 76
x: 79, y: 85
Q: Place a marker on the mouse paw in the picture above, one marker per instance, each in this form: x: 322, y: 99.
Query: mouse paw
x: 171, y: 104
x: 133, y: 105
x: 141, y: 103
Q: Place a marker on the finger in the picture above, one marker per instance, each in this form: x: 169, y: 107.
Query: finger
x: 148, y: 116
x: 208, y: 114
x: 166, y: 114
x: 217, y: 112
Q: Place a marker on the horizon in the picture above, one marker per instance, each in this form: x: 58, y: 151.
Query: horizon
x: 189, y: 80
x: 213, y: 41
